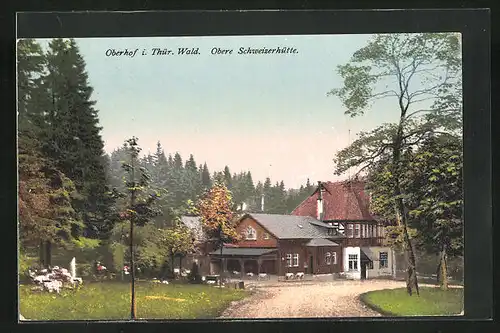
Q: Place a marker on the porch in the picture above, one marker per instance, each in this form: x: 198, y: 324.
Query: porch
x: 238, y: 262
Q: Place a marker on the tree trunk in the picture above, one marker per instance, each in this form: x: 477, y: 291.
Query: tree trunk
x: 221, y: 266
x: 443, y: 270
x: 41, y: 254
x: 45, y: 254
x: 411, y: 279
x: 132, y: 268
x: 132, y: 261
x: 172, y: 264
x: 48, y: 253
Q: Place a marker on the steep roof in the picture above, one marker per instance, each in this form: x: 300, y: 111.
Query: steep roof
x: 290, y: 226
x: 343, y: 201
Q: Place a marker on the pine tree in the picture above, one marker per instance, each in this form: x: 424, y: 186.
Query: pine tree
x: 161, y: 166
x: 205, y: 177
x: 73, y: 140
x: 31, y: 97
x: 227, y: 178
x: 257, y: 199
x: 192, y: 179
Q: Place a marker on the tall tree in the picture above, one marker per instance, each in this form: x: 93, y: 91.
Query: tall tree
x: 31, y: 98
x: 46, y: 217
x: 435, y: 200
x: 257, y: 198
x: 422, y: 74
x: 227, y: 178
x: 192, y: 179
x: 217, y: 217
x: 205, y: 177
x: 74, y: 140
x: 176, y: 187
x: 140, y: 207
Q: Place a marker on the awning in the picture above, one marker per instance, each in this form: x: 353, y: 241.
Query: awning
x: 321, y: 242
x: 366, y: 254
x: 242, y: 251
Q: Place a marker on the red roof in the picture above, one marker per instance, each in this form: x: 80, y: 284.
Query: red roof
x: 341, y: 201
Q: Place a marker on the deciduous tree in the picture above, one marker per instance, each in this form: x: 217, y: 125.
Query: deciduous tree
x: 422, y: 74
x: 217, y: 217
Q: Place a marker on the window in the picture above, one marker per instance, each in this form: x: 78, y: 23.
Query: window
x: 383, y: 261
x: 353, y: 262
x: 251, y: 234
x: 289, y: 260
x: 349, y: 230
x: 334, y: 258
x: 369, y: 265
x: 328, y: 258
x: 356, y: 231
x: 295, y: 260
x: 266, y: 235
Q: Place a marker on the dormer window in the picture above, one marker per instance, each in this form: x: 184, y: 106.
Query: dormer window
x: 251, y: 234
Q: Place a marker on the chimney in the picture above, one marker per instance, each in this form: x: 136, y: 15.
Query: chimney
x: 262, y: 203
x: 319, y: 205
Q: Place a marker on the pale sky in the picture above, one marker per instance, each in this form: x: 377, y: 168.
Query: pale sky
x: 266, y: 113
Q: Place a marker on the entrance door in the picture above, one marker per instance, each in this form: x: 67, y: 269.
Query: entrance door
x: 311, y: 262
x: 363, y: 270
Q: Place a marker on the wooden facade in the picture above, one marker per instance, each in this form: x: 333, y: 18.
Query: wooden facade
x: 311, y: 260
x: 263, y: 237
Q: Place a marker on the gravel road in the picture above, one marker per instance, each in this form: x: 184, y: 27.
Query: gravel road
x: 309, y: 300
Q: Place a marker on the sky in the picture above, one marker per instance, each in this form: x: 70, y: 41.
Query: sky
x: 268, y: 113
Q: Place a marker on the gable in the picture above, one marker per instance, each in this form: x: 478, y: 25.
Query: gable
x: 342, y: 201
x: 260, y: 232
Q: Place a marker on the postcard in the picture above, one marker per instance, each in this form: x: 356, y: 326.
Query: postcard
x: 227, y: 177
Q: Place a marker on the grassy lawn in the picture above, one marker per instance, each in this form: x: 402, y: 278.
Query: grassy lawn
x: 111, y: 300
x: 431, y: 302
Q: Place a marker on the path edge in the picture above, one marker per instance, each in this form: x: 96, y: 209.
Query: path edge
x: 363, y: 299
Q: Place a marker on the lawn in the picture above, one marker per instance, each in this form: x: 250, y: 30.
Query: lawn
x: 111, y: 301
x: 431, y: 302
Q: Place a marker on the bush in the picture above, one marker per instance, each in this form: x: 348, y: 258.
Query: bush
x: 25, y: 263
x: 85, y: 270
x: 194, y: 276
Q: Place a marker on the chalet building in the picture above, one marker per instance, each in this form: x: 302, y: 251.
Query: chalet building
x: 279, y: 244
x: 332, y: 231
x: 345, y: 207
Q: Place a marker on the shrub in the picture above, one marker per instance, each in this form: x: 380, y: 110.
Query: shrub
x: 194, y: 276
x: 25, y: 264
x: 85, y: 270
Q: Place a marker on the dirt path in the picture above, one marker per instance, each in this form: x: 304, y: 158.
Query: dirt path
x: 326, y: 299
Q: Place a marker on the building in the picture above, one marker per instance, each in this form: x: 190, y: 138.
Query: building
x: 346, y: 206
x: 279, y: 244
x: 199, y: 256
x: 332, y: 231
